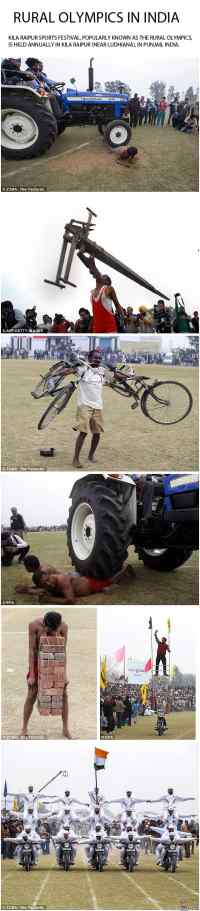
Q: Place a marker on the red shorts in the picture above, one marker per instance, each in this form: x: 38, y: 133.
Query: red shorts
x: 98, y: 585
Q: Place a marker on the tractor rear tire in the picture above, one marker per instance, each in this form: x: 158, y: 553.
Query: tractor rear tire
x: 167, y: 560
x: 28, y: 129
x: 100, y: 513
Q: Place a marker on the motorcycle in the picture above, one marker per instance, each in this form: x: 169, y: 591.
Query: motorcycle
x: 161, y: 726
x: 130, y: 854
x: 66, y: 857
x: 99, y: 856
x: 169, y: 862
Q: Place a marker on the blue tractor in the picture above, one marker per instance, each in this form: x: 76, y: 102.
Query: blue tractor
x: 157, y: 514
x: 31, y: 119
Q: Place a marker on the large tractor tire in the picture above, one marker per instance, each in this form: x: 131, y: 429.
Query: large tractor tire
x: 98, y: 527
x: 28, y: 129
x: 166, y: 559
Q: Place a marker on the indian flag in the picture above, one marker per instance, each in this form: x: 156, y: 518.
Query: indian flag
x: 100, y: 757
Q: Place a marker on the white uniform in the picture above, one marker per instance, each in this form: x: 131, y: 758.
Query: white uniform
x: 92, y: 841
x: 124, y: 841
x: 31, y: 839
x: 61, y: 839
x: 166, y: 841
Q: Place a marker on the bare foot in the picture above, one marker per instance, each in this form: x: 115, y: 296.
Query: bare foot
x: 67, y: 734
x: 24, y: 735
x: 91, y: 458
x: 77, y: 464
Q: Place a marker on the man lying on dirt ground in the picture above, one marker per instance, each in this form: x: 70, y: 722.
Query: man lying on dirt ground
x: 49, y: 625
x: 53, y: 585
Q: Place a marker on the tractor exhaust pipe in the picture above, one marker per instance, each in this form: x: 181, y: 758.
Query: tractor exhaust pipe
x: 91, y: 76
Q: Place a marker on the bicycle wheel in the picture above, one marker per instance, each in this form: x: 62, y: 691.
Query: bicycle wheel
x: 41, y: 389
x: 57, y: 405
x: 166, y: 402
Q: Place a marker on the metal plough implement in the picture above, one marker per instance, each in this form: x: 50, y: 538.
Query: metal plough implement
x: 76, y: 238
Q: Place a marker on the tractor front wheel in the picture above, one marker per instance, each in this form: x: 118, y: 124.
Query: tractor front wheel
x: 117, y: 133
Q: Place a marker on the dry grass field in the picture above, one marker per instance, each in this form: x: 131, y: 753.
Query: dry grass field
x: 130, y: 441
x: 148, y: 887
x: 80, y: 160
x: 146, y: 587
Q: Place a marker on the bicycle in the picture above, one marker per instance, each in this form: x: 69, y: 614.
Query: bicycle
x: 164, y: 402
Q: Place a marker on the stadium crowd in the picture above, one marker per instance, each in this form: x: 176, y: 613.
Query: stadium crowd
x: 121, y: 703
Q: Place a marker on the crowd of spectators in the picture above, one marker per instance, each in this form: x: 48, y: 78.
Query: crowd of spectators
x: 121, y: 703
x: 182, y: 115
x: 160, y: 319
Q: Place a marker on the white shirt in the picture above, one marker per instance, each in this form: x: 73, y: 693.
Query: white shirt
x: 90, y: 387
x: 61, y: 836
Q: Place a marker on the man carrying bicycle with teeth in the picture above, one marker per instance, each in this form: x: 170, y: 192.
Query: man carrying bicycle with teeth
x: 89, y: 415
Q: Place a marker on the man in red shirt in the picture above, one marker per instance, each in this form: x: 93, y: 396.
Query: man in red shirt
x: 161, y: 653
x: 162, y: 107
x: 106, y: 309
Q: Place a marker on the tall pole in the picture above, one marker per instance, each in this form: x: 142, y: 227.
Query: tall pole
x: 63, y: 772
x: 169, y: 643
x: 96, y: 785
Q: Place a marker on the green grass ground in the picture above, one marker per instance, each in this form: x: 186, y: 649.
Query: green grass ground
x: 130, y: 441
x: 81, y: 674
x: 148, y: 586
x: 80, y: 160
x: 148, y: 887
x: 181, y: 726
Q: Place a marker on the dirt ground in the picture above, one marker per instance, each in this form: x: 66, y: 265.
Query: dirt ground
x: 148, y: 887
x: 80, y: 160
x: 147, y: 587
x: 181, y: 726
x: 81, y: 673
x: 130, y: 441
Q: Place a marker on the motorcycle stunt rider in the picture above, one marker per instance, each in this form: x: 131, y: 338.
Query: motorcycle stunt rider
x: 97, y: 833
x: 169, y: 837
x: 66, y: 835
x: 161, y: 653
x: 30, y: 837
x: 129, y: 835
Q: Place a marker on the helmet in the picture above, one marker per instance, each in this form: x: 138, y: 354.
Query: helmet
x: 95, y: 357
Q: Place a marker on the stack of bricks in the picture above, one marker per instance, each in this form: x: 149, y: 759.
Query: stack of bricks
x: 51, y: 675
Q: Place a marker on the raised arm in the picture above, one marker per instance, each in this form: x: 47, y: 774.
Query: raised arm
x: 90, y: 264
